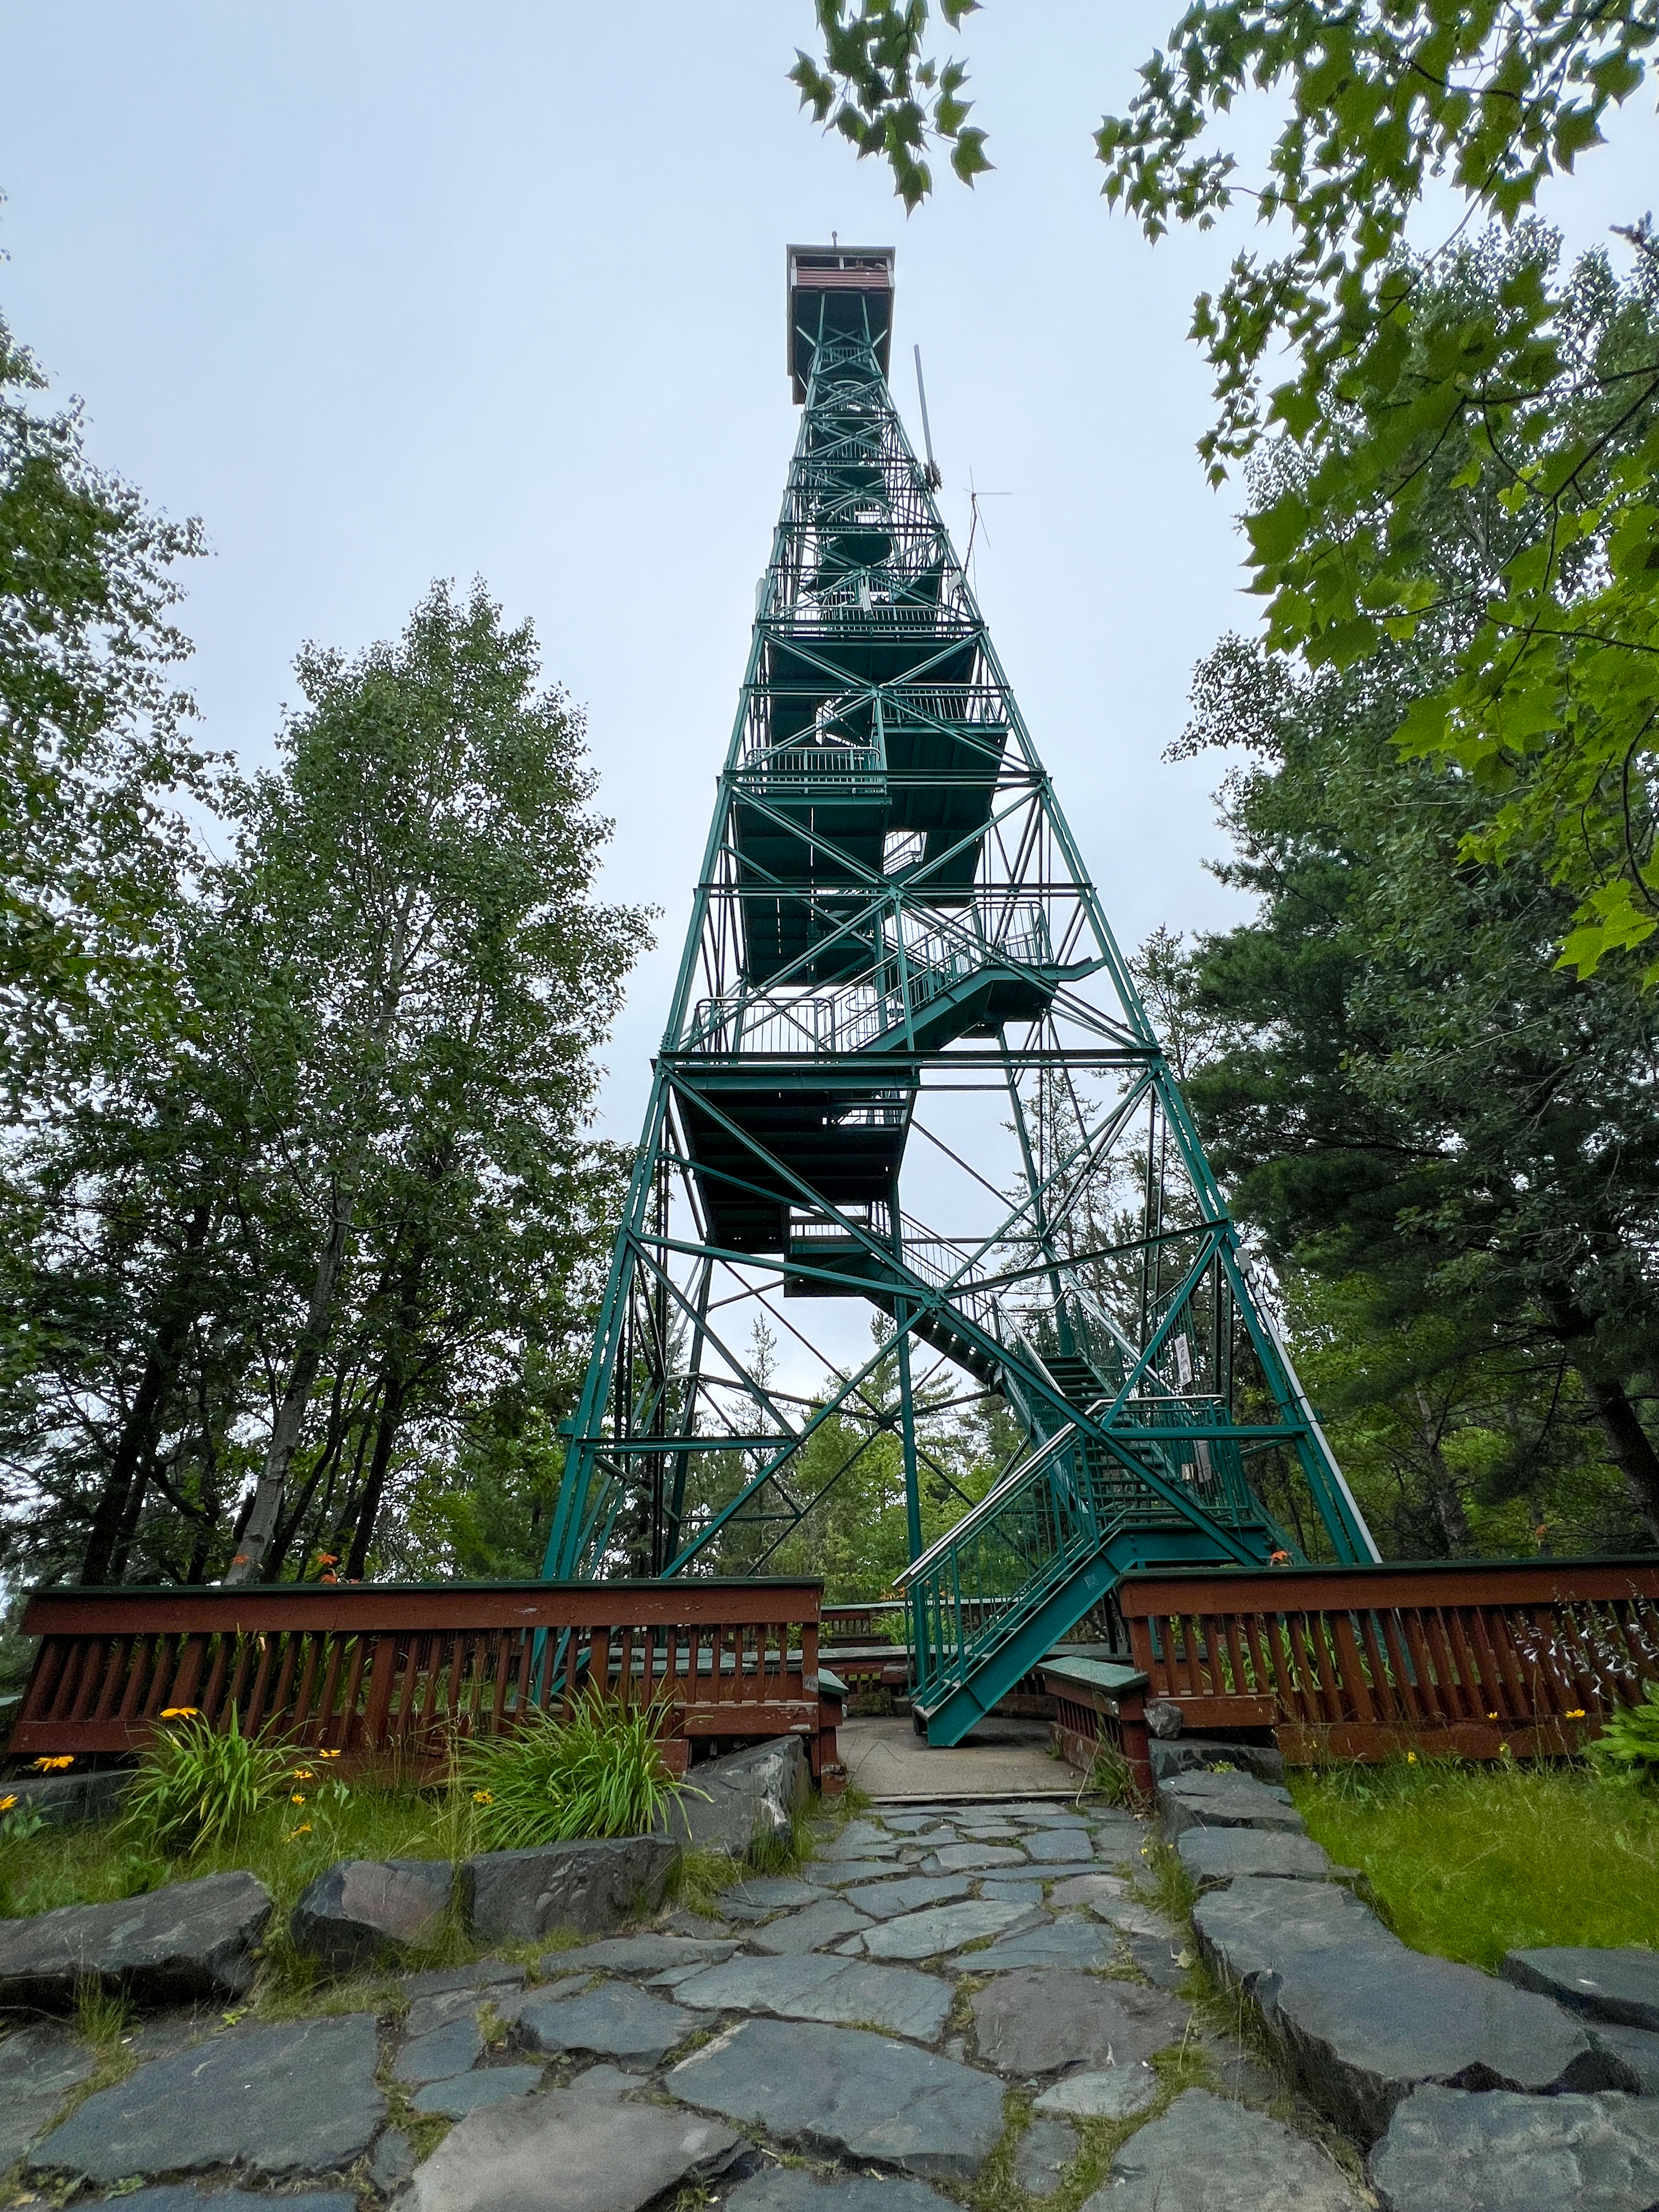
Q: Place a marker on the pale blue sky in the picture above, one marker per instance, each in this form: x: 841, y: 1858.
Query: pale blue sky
x: 389, y: 291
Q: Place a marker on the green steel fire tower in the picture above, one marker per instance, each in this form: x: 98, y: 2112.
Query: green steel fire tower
x: 907, y: 1065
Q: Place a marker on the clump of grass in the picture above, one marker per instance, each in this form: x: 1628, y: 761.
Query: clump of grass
x: 698, y: 1879
x: 598, y: 1772
x: 1110, y: 1776
x: 1472, y: 1860
x: 198, y: 1786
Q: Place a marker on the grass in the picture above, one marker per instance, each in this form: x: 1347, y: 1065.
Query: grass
x: 1472, y: 1861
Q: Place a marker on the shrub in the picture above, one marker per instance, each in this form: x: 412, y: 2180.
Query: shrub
x: 196, y: 1788
x: 600, y: 1771
x: 1628, y: 1746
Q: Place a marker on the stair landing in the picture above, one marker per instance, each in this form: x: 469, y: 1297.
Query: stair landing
x: 999, y: 1758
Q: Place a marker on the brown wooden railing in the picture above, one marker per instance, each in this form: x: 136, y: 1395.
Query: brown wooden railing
x: 372, y: 1668
x: 1448, y: 1658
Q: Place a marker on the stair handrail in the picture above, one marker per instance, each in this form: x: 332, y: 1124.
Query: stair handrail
x: 1021, y: 1472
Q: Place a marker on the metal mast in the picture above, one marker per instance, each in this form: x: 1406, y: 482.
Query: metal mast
x: 897, y: 970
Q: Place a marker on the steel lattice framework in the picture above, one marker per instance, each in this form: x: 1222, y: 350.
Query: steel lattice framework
x: 898, y: 971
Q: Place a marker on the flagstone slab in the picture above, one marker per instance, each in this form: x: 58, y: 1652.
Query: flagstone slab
x: 589, y: 2148
x: 1215, y: 1856
x: 1071, y: 1941
x: 298, y: 2099
x: 445, y: 2051
x: 1027, y: 1894
x: 822, y: 1924
x: 1037, y: 2020
x: 909, y: 1893
x: 1364, y: 2021
x: 943, y: 1928
x: 1042, y: 2155
x: 1207, y: 2154
x: 1057, y: 1844
x: 1227, y: 1800
x: 187, y: 1939
x: 792, y: 2189
x: 848, y: 2094
x: 616, y: 2020
x: 360, y: 1909
x: 824, y: 1988
x: 639, y: 1955
x: 837, y: 1873
x: 770, y: 1894
x: 1131, y: 1917
x: 470, y: 2093
x: 179, y: 2197
x: 859, y: 1839
x: 1448, y: 2151
x: 1087, y: 1888
x: 1111, y: 2092
x: 1636, y: 2049
x: 1621, y: 1986
x: 969, y: 1858
x: 38, y: 2067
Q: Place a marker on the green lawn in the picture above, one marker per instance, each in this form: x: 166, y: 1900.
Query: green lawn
x: 1472, y: 1861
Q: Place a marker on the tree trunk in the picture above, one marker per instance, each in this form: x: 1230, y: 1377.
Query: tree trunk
x: 385, y: 1436
x: 115, y: 1514
x: 1629, y: 1444
x: 248, y: 1564
x: 1448, y: 1503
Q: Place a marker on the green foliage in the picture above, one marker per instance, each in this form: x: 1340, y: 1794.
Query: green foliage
x: 600, y: 1772
x: 1628, y: 1744
x: 197, y: 1788
x: 1472, y: 1861
x: 875, y: 88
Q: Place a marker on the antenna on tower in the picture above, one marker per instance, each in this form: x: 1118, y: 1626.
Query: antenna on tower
x: 933, y: 477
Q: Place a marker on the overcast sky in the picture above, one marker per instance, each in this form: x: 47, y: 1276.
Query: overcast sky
x: 388, y: 292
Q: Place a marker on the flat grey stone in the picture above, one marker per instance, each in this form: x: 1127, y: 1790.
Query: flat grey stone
x: 1131, y: 1917
x: 837, y: 1873
x: 45, y: 2060
x: 1215, y: 1856
x: 442, y: 2051
x: 515, y: 1897
x: 772, y: 1893
x: 1028, y: 1895
x: 1057, y: 1844
x: 298, y: 2099
x: 817, y: 1924
x: 1038, y: 2019
x: 616, y: 2020
x: 363, y: 1907
x: 883, y: 1900
x: 179, y: 2197
x: 942, y: 1928
x: 1208, y: 2155
x: 1636, y: 2049
x: 24, y: 2114
x: 68, y: 1801
x: 1165, y: 1963
x: 831, y: 1990
x: 393, y: 2161
x: 1042, y: 2155
x: 1087, y: 1888
x: 1231, y: 1800
x: 165, y: 2034
x: 909, y: 1824
x: 1048, y: 1816
x: 848, y: 2094
x: 585, y: 2148
x: 445, y: 1981
x: 188, y: 1939
x: 973, y: 1858
x: 1071, y: 1941
x: 1240, y: 2071
x: 1113, y: 2092
x: 1622, y: 1986
x: 1363, y: 2020
x: 859, y: 1839
x: 639, y: 1955
x: 1184, y: 1754
x: 1447, y: 2151
x: 792, y: 2189
x: 988, y: 1831
x: 470, y: 2093
x: 430, y: 2013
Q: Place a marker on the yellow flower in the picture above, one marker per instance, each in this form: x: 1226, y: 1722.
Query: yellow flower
x: 1411, y: 1758
x: 1576, y: 1714
x: 6, y: 1804
x: 1492, y: 1716
x: 304, y: 1829
x: 298, y: 1798
x: 303, y: 1774
x: 181, y: 1712
x: 483, y: 1796
x: 326, y: 1754
x: 54, y: 1765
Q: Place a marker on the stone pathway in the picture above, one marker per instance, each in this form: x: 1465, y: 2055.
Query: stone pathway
x: 867, y: 2015
x: 947, y: 1992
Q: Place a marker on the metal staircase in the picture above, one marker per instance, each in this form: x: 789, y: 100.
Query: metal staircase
x: 898, y: 969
